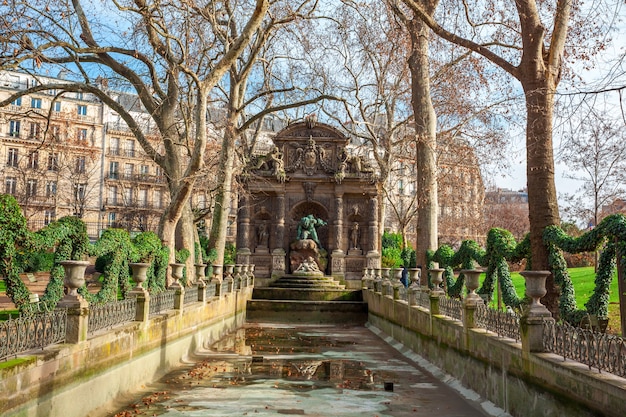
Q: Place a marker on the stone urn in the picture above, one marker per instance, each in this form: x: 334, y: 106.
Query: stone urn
x: 74, y: 275
x: 436, y: 279
x: 414, y: 277
x: 472, y: 282
x: 200, y: 268
x: 217, y: 272
x: 177, y: 273
x: 140, y: 273
x: 536, y: 289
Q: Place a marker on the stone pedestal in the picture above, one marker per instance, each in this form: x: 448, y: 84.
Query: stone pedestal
x: 534, y: 318
x: 278, y: 263
x: 338, y: 264
x: 143, y: 304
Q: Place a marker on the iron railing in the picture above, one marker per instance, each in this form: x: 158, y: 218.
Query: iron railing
x: 32, y: 332
x: 503, y: 323
x: 105, y: 316
x: 191, y: 295
x: 604, y: 352
x: 161, y: 302
x: 210, y: 290
x: 451, y: 307
x: 422, y: 298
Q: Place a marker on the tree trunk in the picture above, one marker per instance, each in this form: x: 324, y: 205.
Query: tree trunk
x: 543, y: 210
x: 223, y: 200
x: 426, y: 142
x: 185, y: 238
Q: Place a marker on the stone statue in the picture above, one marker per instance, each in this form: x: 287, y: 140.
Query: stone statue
x: 355, y: 233
x: 308, y: 265
x: 262, y: 234
x: 306, y: 228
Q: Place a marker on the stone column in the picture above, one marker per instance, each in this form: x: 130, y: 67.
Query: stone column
x: 338, y: 223
x: 278, y: 254
x: 243, y: 226
x: 280, y: 221
x: 373, y: 225
x: 337, y: 265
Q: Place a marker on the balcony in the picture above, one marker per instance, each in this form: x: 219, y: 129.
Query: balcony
x: 139, y: 178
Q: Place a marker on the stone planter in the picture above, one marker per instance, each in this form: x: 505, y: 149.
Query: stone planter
x: 472, y: 282
x: 200, y: 268
x: 414, y: 277
x: 436, y: 279
x: 140, y: 273
x: 217, y: 272
x: 177, y: 274
x: 74, y: 275
x: 535, y: 289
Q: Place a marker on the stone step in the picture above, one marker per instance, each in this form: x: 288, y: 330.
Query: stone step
x: 305, y: 311
x: 311, y: 294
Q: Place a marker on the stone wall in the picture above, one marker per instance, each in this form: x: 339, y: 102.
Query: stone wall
x: 83, y: 379
x: 523, y: 384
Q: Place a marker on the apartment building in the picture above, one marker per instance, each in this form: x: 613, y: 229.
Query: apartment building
x: 50, y: 151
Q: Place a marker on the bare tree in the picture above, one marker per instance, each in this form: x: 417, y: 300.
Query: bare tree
x: 254, y: 89
x: 170, y: 53
x: 594, y: 151
x: 522, y: 44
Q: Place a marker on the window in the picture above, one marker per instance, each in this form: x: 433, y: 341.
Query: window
x: 17, y: 101
x: 144, y: 170
x: 51, y: 188
x: 12, y: 157
x: 79, y: 95
x: 157, y: 199
x: 31, y: 188
x: 35, y: 131
x: 80, y: 165
x: 129, y: 148
x: 81, y: 134
x: 128, y: 171
x: 143, y: 197
x: 53, y: 162
x: 115, y: 146
x: 56, y: 107
x: 14, y: 128
x: 33, y: 160
x: 80, y: 191
x: 112, y: 196
x: 400, y: 186
x: 81, y: 110
x: 35, y: 103
x: 114, y: 170
x: 128, y: 196
x: 10, y: 185
x: 49, y: 216
x: 56, y: 132
x: 111, y: 220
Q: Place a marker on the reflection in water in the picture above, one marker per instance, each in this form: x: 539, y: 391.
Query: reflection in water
x: 317, y: 371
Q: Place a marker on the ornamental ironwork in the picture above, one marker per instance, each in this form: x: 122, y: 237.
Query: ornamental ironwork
x: 191, y: 295
x: 503, y: 323
x: 105, y: 316
x: 423, y: 299
x: 602, y: 351
x: 451, y: 307
x: 162, y: 301
x: 32, y: 332
x: 210, y: 290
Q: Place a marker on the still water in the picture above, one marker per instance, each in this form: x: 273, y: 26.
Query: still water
x: 312, y: 370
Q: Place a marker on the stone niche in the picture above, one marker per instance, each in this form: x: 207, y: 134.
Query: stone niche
x: 309, y: 172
